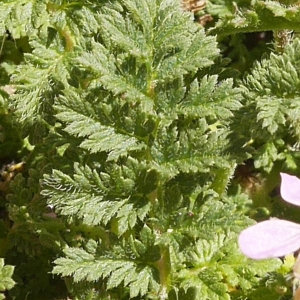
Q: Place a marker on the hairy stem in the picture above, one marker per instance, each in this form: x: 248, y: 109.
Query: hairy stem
x: 164, y: 267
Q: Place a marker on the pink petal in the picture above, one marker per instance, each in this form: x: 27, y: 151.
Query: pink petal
x: 290, y: 188
x: 272, y: 238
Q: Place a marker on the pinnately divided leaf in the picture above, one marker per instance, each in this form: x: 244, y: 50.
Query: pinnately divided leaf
x: 99, y: 138
x: 271, y: 105
x: 83, y: 266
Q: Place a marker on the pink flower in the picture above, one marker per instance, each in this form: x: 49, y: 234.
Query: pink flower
x: 290, y: 188
x: 274, y: 238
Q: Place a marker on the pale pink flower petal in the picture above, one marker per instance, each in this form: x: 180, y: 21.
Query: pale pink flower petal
x: 290, y: 188
x: 272, y: 238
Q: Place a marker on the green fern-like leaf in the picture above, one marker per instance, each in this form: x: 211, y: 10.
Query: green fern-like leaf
x: 84, y: 266
x: 107, y: 194
x: 271, y: 104
x: 51, y: 42
x: 210, y: 264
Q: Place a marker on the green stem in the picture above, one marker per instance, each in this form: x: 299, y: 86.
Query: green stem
x: 164, y: 268
x: 260, y: 18
x: 231, y: 29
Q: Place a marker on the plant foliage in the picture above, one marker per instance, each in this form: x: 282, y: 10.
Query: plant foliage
x: 131, y: 120
x: 6, y: 282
